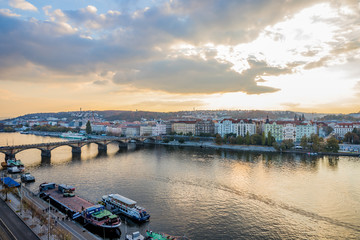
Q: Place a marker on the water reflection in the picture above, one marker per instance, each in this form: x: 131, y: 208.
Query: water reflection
x: 216, y: 194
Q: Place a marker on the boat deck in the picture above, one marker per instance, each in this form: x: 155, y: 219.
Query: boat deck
x: 76, y: 203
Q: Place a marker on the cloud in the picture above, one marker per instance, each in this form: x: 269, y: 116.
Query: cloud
x: 22, y: 4
x: 195, y: 75
x: 8, y: 12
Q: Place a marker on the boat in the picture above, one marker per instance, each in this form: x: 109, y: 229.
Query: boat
x: 15, y: 163
x: 13, y: 169
x: 163, y: 236
x: 134, y: 236
x: 27, y: 177
x: 72, y: 135
x: 120, y: 204
x: 67, y: 191
x: 96, y: 217
x: 99, y: 217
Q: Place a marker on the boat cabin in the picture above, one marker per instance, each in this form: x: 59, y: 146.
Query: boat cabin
x: 46, y: 186
x: 118, y: 199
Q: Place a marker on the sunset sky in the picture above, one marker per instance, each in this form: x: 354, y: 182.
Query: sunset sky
x: 300, y: 55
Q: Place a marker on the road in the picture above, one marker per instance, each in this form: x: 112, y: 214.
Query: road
x: 12, y: 227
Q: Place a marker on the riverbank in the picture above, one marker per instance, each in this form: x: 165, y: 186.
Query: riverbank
x: 252, y: 148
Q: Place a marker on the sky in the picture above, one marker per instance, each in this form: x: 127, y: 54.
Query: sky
x: 172, y: 55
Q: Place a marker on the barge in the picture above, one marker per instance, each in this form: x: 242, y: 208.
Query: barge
x: 93, y: 216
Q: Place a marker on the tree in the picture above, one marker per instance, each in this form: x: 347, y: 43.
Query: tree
x: 218, y: 139
x: 181, y: 140
x: 256, y: 139
x: 288, y: 143
x: 88, y: 127
x: 247, y: 138
x: 332, y: 145
x: 316, y: 142
x: 304, y: 142
x: 263, y: 139
x: 270, y: 139
x: 239, y: 140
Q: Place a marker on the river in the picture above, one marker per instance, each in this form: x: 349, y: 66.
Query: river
x: 213, y: 194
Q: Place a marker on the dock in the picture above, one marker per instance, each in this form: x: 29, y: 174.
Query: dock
x: 69, y: 205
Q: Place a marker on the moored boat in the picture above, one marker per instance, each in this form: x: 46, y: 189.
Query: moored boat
x: 15, y: 163
x: 27, y: 177
x: 119, y: 204
x: 163, y: 236
x: 98, y: 216
x: 72, y: 135
x: 13, y: 169
x: 134, y: 236
x: 94, y: 217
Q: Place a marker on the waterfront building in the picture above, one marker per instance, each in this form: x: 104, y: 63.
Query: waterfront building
x: 132, y: 131
x: 204, y: 127
x: 184, y: 127
x: 238, y: 127
x: 275, y: 129
x: 99, y: 126
x: 340, y: 129
x: 245, y: 126
x: 159, y: 129
x: 305, y: 129
x: 146, y: 130
x: 114, y: 130
x: 226, y: 126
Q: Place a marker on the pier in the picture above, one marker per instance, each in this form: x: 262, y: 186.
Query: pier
x: 76, y: 145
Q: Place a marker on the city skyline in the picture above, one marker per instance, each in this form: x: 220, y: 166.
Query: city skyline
x: 179, y: 55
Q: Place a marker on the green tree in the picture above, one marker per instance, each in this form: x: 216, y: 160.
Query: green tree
x: 263, y: 139
x: 270, y: 139
x: 304, y: 142
x: 256, y: 139
x: 239, y: 140
x: 181, y: 140
x: 247, y: 138
x: 288, y: 143
x: 88, y: 127
x: 316, y: 142
x: 218, y: 139
x: 332, y: 145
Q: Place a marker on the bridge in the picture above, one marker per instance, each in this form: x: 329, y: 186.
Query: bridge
x: 76, y: 145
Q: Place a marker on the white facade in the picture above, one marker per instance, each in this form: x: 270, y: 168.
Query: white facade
x: 244, y: 127
x: 237, y: 127
x: 145, y: 130
x: 159, y: 129
x: 132, y: 131
x: 341, y: 129
x: 289, y: 132
x: 226, y: 126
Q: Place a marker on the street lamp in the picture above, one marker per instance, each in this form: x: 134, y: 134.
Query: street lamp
x: 49, y: 221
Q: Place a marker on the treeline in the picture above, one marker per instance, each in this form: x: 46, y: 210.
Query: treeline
x: 49, y: 128
x: 255, y: 139
x: 352, y: 137
x: 315, y: 143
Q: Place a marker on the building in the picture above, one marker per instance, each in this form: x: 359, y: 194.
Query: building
x: 305, y: 129
x: 183, y: 127
x: 237, y: 127
x: 159, y: 129
x: 146, y: 130
x: 340, y: 129
x: 276, y: 130
x: 204, y: 127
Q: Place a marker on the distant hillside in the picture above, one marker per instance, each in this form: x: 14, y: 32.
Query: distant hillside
x: 133, y: 116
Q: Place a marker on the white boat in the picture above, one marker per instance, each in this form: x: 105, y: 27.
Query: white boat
x: 73, y: 135
x: 120, y: 204
x: 135, y: 236
x: 27, y: 177
x: 13, y: 169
